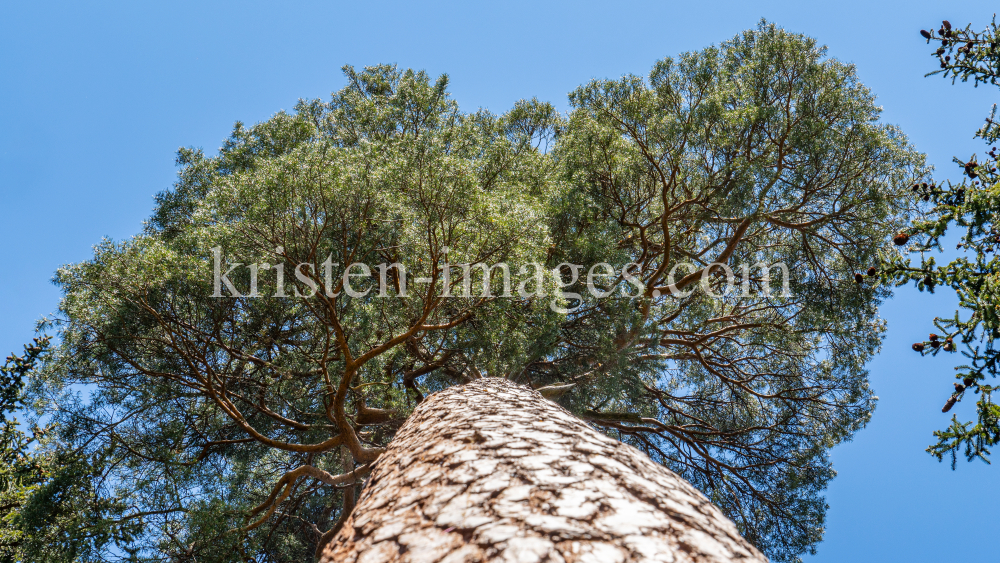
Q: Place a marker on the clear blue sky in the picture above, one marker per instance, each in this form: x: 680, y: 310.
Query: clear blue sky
x: 96, y: 97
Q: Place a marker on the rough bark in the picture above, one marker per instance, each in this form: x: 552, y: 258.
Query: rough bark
x: 492, y: 471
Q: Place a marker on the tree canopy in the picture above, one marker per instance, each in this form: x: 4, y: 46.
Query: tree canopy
x: 236, y: 425
x: 50, y: 507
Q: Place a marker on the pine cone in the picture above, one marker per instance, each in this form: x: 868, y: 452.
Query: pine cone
x: 951, y: 402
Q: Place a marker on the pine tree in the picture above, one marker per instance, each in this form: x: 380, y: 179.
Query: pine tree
x: 239, y: 422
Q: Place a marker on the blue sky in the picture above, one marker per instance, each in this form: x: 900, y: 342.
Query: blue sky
x: 96, y: 98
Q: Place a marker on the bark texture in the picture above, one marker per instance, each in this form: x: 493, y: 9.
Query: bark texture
x: 492, y: 471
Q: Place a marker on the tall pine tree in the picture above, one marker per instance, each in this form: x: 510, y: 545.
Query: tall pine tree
x: 240, y: 425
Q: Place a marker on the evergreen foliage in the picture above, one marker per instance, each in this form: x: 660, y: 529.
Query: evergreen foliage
x: 239, y: 427
x: 971, y: 205
x: 52, y: 506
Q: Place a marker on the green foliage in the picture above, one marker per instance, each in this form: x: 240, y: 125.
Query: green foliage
x: 971, y: 205
x: 49, y: 508
x: 750, y: 133
x: 20, y: 473
x: 236, y: 425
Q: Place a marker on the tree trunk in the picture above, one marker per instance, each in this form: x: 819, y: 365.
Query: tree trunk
x: 492, y: 471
